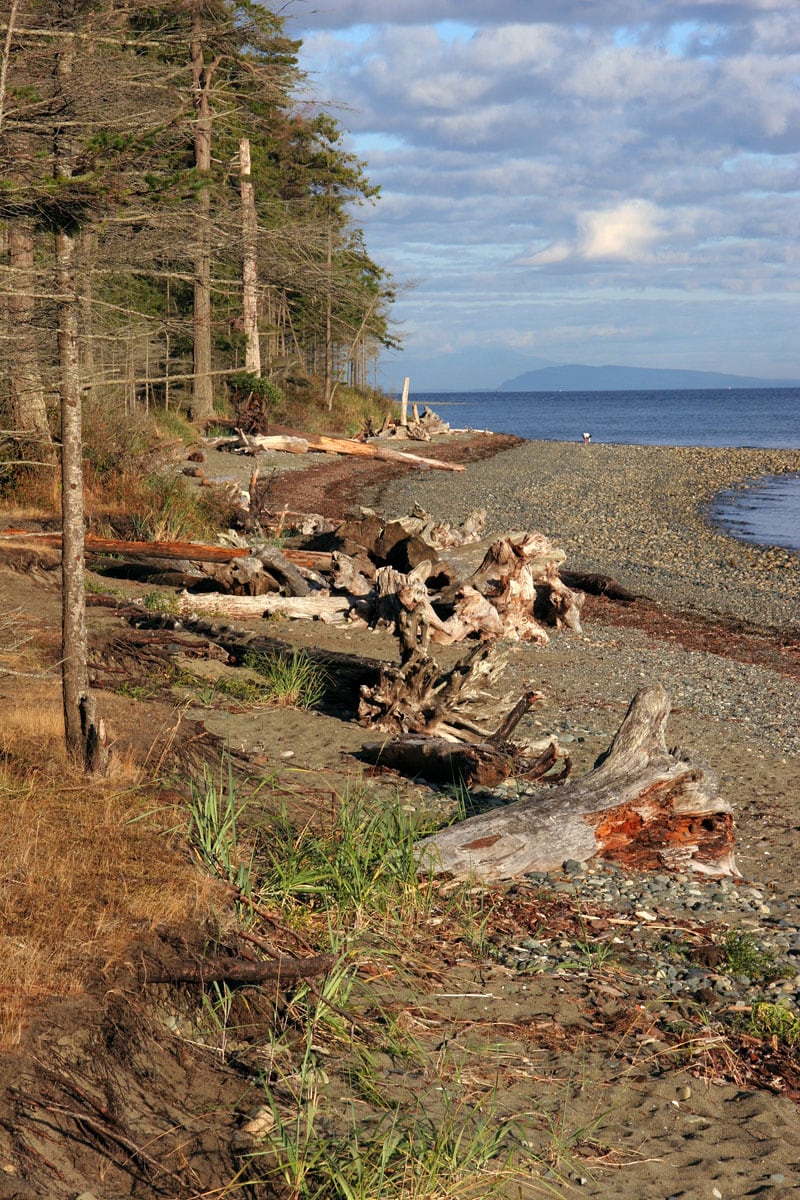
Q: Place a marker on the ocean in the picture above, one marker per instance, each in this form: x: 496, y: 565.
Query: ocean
x: 768, y: 513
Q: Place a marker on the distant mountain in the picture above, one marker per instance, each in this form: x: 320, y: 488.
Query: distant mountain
x: 575, y: 377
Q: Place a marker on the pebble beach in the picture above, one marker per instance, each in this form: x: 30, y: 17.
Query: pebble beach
x: 638, y: 513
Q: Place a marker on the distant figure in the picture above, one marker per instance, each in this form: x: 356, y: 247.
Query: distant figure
x: 587, y: 437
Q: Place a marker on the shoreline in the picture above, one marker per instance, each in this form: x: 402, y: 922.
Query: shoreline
x: 637, y: 513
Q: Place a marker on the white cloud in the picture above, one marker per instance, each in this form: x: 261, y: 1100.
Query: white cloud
x: 546, y: 155
x: 627, y: 231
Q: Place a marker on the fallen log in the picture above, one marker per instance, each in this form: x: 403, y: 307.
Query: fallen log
x: 191, y: 551
x: 439, y: 760
x: 181, y: 553
x: 297, y: 441
x: 316, y: 607
x: 642, y: 806
x: 471, y: 764
x: 236, y: 970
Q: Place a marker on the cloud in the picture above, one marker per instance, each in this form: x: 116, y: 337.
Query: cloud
x: 628, y: 231
x: 539, y: 156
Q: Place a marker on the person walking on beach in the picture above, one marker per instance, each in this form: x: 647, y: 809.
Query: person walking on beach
x: 587, y: 437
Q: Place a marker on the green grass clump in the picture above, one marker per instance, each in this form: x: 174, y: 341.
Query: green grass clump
x: 769, y: 1020
x: 743, y: 956
x: 292, y: 679
x: 364, y: 862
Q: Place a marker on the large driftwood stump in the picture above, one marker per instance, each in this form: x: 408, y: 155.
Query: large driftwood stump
x: 642, y: 805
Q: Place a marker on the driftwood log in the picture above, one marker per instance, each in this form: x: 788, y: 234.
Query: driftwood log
x: 420, y: 697
x: 300, y: 442
x: 316, y: 607
x: 236, y: 971
x: 642, y: 805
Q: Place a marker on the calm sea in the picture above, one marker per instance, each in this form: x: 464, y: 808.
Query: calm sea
x: 764, y: 417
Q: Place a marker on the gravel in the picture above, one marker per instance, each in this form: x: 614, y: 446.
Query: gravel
x: 637, y: 513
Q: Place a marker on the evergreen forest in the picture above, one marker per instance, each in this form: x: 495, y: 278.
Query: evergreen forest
x: 178, y: 220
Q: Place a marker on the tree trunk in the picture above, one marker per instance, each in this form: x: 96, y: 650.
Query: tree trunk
x: 642, y: 806
x: 28, y: 408
x: 85, y: 735
x: 252, y: 360
x: 202, y: 74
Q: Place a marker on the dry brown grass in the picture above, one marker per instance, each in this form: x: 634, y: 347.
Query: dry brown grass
x: 87, y: 866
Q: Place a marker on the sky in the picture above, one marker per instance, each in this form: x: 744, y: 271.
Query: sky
x: 593, y: 181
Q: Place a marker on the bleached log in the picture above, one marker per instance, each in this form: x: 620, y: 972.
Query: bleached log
x: 419, y: 697
x: 318, y: 606
x: 642, y: 805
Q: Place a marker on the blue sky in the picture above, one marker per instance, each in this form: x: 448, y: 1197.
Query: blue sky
x: 598, y: 181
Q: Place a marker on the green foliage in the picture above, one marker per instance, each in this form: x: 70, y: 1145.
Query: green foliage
x: 214, y: 814
x: 364, y: 861
x: 743, y: 956
x: 769, y: 1020
x: 167, y: 509
x: 291, y: 679
x: 463, y: 1152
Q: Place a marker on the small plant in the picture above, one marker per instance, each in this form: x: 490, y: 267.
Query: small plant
x: 743, y: 956
x: 364, y: 862
x: 168, y: 511
x: 217, y: 1005
x: 256, y: 399
x: 768, y: 1020
x: 161, y: 602
x: 463, y: 1154
x: 214, y: 814
x: 293, y: 679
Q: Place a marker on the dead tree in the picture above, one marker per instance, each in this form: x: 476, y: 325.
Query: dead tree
x: 642, y: 805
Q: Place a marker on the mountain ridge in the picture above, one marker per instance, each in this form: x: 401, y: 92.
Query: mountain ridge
x: 578, y: 377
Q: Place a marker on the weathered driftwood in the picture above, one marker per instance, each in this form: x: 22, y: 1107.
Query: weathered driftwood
x: 419, y: 697
x: 642, y: 805
x: 519, y: 574
x: 265, y: 570
x: 355, y: 576
x: 235, y: 970
x: 315, y: 607
x: 298, y: 441
x: 441, y: 760
x: 474, y: 764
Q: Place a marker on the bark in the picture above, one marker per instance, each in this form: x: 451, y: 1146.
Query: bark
x: 252, y: 352
x: 28, y: 408
x: 85, y: 735
x: 642, y: 805
x: 202, y: 76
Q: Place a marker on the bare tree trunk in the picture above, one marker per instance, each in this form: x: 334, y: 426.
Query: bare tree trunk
x: 202, y: 74
x: 12, y: 19
x: 252, y: 360
x: 74, y: 671
x: 328, y: 303
x: 28, y: 408
x: 87, y: 246
x: 85, y: 737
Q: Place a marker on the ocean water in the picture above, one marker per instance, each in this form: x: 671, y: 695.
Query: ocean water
x: 760, y: 417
